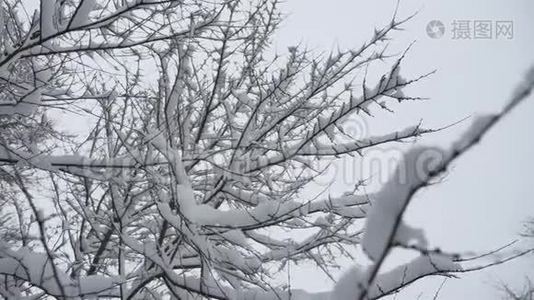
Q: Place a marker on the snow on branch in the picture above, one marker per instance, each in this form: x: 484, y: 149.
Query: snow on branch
x: 384, y: 228
x: 36, y: 268
x: 156, y: 149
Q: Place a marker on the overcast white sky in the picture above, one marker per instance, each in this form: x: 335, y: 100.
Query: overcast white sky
x: 484, y: 200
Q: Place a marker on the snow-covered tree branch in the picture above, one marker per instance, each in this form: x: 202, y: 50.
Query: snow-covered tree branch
x: 197, y: 145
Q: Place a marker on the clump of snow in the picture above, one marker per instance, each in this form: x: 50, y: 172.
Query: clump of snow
x: 421, y: 266
x: 349, y: 285
x: 48, y: 18
x: 36, y: 268
x: 390, y: 202
x: 479, y: 124
x: 354, y: 281
x: 26, y: 106
x: 81, y: 16
x: 410, y: 236
x: 523, y: 90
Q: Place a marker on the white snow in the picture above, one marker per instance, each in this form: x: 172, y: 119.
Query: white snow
x: 26, y: 106
x: 390, y: 202
x: 36, y: 268
x: 48, y: 18
x: 478, y: 125
x: 421, y: 266
x: 349, y: 286
x: 81, y: 17
x: 411, y: 236
x: 353, y: 282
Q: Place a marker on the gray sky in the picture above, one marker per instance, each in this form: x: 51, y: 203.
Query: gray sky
x: 487, y: 195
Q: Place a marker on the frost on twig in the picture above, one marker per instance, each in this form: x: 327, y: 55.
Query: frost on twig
x: 195, y: 148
